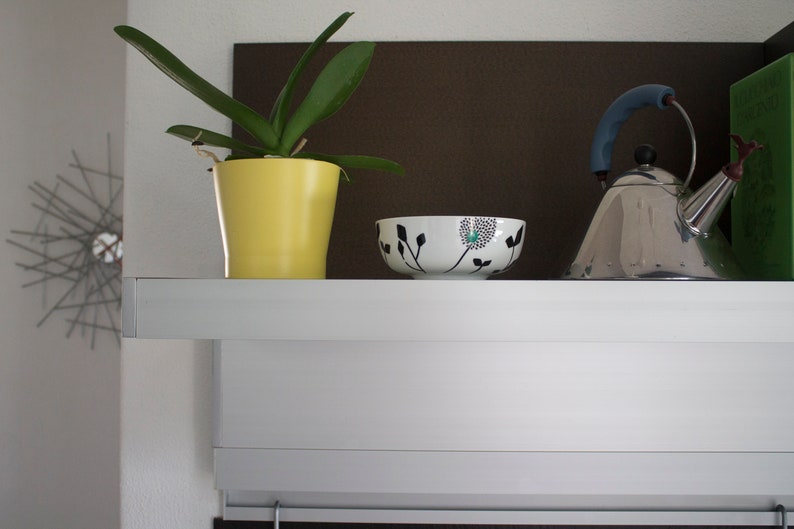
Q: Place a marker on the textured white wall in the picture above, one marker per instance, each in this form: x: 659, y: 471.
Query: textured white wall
x: 170, y: 222
x: 62, y: 88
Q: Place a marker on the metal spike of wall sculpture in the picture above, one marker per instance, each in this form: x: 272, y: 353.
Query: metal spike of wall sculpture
x: 75, y: 250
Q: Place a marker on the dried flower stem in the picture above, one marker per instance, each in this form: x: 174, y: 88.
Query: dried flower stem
x: 203, y: 152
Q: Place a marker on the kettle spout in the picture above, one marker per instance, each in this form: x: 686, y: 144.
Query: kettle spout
x: 700, y: 211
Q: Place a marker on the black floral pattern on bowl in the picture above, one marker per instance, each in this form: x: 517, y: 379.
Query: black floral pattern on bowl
x: 475, y: 233
x: 512, y: 243
x: 402, y: 245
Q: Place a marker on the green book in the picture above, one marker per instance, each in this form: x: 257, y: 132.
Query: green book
x: 762, y: 211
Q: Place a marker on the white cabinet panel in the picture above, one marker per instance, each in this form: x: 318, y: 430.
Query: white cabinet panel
x: 477, y: 396
x: 506, y: 480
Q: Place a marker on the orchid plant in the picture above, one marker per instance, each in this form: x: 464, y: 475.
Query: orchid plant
x: 282, y: 134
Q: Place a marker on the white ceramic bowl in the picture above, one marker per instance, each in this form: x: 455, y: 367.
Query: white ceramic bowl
x: 450, y: 247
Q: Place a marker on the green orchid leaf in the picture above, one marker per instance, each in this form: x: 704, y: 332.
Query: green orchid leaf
x: 278, y: 115
x: 330, y: 91
x: 354, y: 161
x: 174, y: 68
x: 332, y: 88
x: 215, y: 139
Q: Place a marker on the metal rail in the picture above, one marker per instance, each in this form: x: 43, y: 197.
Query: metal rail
x: 775, y: 517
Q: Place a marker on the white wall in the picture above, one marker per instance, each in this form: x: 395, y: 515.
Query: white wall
x: 61, y: 88
x: 170, y: 223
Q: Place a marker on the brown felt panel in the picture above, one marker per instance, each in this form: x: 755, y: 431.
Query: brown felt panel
x: 502, y: 129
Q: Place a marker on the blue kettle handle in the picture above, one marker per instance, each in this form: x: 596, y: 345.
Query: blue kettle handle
x: 618, y: 112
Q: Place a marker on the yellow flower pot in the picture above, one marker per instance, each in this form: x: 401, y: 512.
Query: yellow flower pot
x: 275, y: 216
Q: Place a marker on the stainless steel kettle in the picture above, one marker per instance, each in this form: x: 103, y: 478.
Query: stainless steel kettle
x: 649, y: 224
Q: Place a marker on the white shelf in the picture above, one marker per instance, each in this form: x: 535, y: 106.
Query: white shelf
x: 495, y: 311
x: 523, y: 402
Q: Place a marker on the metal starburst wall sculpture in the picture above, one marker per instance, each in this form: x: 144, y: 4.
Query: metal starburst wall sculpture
x: 76, y: 248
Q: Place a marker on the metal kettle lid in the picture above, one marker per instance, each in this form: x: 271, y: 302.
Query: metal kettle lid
x: 645, y: 173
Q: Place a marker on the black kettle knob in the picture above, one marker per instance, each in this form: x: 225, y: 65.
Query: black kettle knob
x: 645, y: 154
